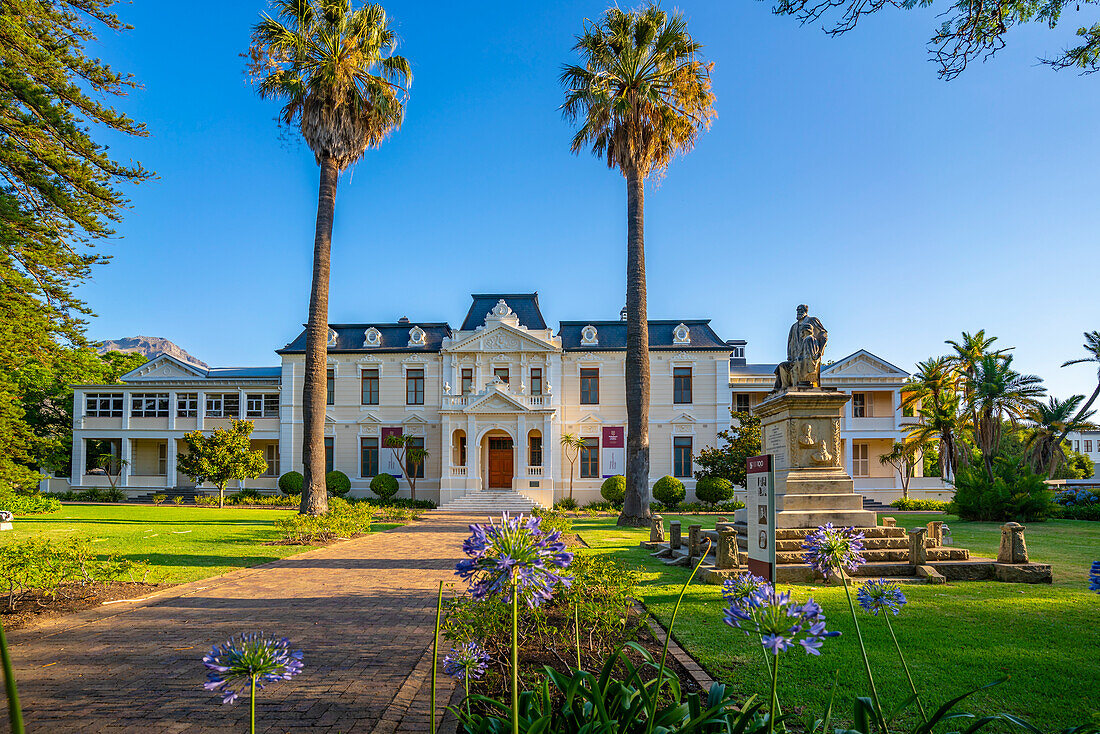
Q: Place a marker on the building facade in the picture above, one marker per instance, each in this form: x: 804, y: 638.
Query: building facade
x: 1088, y: 443
x: 489, y: 401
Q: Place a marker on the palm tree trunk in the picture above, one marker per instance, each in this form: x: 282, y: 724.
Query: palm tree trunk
x: 315, y: 390
x: 636, y: 502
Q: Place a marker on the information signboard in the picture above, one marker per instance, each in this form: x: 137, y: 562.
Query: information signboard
x: 760, y: 506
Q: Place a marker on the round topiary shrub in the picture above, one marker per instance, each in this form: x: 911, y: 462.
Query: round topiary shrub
x: 337, y: 483
x: 613, y: 489
x: 384, y: 485
x: 291, y: 483
x: 713, y: 490
x: 669, y: 491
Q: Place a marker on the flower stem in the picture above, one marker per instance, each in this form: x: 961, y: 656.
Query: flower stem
x: 15, y: 714
x: 515, y: 657
x: 577, y: 632
x: 863, y: 651
x: 905, y: 667
x: 435, y: 657
x: 252, y: 705
x: 775, y: 696
x: 466, y: 679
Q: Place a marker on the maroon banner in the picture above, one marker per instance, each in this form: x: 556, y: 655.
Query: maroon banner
x: 757, y: 464
x: 613, y: 451
x: 389, y: 463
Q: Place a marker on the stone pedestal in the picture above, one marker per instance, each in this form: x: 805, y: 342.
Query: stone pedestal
x: 889, y: 522
x: 918, y: 551
x: 935, y: 533
x: 695, y: 542
x: 675, y: 535
x: 727, y: 547
x: 657, y: 530
x: 800, y: 428
x: 1013, y: 548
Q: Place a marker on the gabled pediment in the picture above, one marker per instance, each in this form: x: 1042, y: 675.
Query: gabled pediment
x: 863, y: 364
x: 414, y: 418
x: 164, y: 367
x: 684, y: 418
x: 369, y: 418
x: 589, y: 419
x: 503, y: 338
x: 497, y: 402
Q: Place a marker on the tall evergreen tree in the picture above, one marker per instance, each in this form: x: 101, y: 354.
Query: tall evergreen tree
x: 59, y: 191
x: 641, y: 95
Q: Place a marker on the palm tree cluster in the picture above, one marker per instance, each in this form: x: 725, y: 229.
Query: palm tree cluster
x: 966, y: 404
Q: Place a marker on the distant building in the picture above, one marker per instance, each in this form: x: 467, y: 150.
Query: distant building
x: 1088, y: 443
x: 489, y: 400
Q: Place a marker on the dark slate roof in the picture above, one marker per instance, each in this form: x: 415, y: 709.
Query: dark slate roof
x: 525, y: 305
x: 612, y: 336
x: 753, y: 369
x: 395, y: 338
x: 219, y: 373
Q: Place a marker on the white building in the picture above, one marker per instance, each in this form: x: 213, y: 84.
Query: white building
x: 489, y: 401
x: 1087, y: 442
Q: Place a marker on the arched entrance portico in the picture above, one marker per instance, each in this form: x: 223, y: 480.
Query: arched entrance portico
x: 498, y: 453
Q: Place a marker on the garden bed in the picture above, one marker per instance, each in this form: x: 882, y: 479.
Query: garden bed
x: 36, y: 608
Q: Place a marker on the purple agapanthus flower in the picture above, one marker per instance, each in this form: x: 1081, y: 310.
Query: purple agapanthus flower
x: 881, y: 595
x: 233, y: 665
x: 779, y: 623
x: 830, y: 549
x: 517, y: 551
x: 742, y: 585
x: 1094, y: 577
x: 466, y: 662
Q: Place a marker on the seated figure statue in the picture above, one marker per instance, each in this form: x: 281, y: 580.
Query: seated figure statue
x: 805, y: 344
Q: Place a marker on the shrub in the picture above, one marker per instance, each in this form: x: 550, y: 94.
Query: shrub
x: 613, y: 489
x: 206, y: 500
x: 158, y: 499
x: 343, y: 520
x: 1016, y: 493
x: 404, y: 502
x: 701, y: 507
x: 29, y: 504
x: 113, y: 494
x: 337, y: 483
x: 600, y: 506
x: 669, y: 491
x: 177, y: 500
x: 566, y: 503
x: 292, y: 483
x: 384, y: 485
x: 914, y: 505
x: 713, y: 490
x: 554, y: 520
x: 1077, y: 504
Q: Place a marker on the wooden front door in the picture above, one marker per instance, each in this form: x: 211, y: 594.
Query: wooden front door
x: 500, y: 463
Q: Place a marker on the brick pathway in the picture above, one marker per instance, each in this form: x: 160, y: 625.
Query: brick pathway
x: 361, y: 610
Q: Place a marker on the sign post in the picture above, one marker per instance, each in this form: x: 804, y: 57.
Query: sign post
x: 760, y: 506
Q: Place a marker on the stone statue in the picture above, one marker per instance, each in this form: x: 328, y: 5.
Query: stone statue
x: 805, y: 344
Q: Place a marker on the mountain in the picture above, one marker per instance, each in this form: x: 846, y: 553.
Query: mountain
x: 150, y: 346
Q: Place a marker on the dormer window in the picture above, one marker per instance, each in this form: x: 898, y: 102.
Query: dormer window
x: 416, y: 337
x: 372, y: 337
x: 589, y: 336
x: 681, y: 334
x: 738, y: 352
x: 332, y: 337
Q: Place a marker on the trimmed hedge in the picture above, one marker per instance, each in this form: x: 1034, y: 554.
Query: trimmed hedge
x: 292, y: 483
x: 28, y: 504
x: 713, y: 490
x: 337, y: 483
x: 613, y: 489
x: 669, y: 491
x: 914, y: 505
x: 384, y: 485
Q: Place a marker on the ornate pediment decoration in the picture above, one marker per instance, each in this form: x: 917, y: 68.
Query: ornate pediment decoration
x: 372, y: 337
x: 681, y: 334
x: 331, y: 337
x: 414, y: 358
x: 416, y: 337
x: 164, y: 367
x: 369, y: 359
x: 589, y: 336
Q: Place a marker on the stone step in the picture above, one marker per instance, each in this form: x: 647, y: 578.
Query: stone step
x: 886, y: 556
x: 812, y: 519
x: 490, y: 502
x: 892, y: 543
x: 790, y: 502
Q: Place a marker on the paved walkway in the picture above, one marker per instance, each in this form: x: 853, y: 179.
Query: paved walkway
x: 362, y: 611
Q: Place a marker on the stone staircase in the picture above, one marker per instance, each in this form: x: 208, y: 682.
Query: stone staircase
x: 489, y: 502
x: 188, y: 493
x: 881, y: 545
x: 876, y: 506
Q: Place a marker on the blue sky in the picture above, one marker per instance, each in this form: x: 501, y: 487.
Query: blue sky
x: 840, y: 172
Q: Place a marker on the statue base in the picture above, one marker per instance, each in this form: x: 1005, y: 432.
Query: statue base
x: 800, y: 428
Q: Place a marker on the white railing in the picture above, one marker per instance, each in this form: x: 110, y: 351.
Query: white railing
x: 534, y: 471
x: 458, y: 471
x: 530, y: 401
x: 885, y: 423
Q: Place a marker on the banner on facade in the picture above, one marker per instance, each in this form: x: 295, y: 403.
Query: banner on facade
x: 613, y: 451
x: 760, y: 506
x: 387, y: 462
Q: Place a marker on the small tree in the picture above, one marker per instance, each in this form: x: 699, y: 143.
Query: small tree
x: 571, y: 445
x: 742, y: 441
x: 111, y: 463
x: 409, y: 456
x: 905, y: 458
x: 221, y: 456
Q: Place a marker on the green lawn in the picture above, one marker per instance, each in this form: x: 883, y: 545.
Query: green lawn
x: 181, y: 543
x: 956, y: 636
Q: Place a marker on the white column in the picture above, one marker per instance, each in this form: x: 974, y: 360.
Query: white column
x: 80, y: 460
x: 124, y: 473
x: 170, y: 464
x: 171, y: 411
x: 473, y: 454
x: 521, y: 457
x: 200, y: 419
x: 127, y: 405
x: 550, y: 447
x: 446, y: 445
x: 848, y: 456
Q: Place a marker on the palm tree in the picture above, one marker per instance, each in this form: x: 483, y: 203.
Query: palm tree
x: 933, y: 392
x: 571, y: 445
x: 1092, y: 347
x: 1049, y: 423
x: 342, y: 85
x: 641, y: 95
x: 998, y: 393
x: 969, y: 351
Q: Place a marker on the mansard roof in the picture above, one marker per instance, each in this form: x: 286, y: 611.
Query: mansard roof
x: 611, y: 336
x: 524, y: 305
x: 392, y: 338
